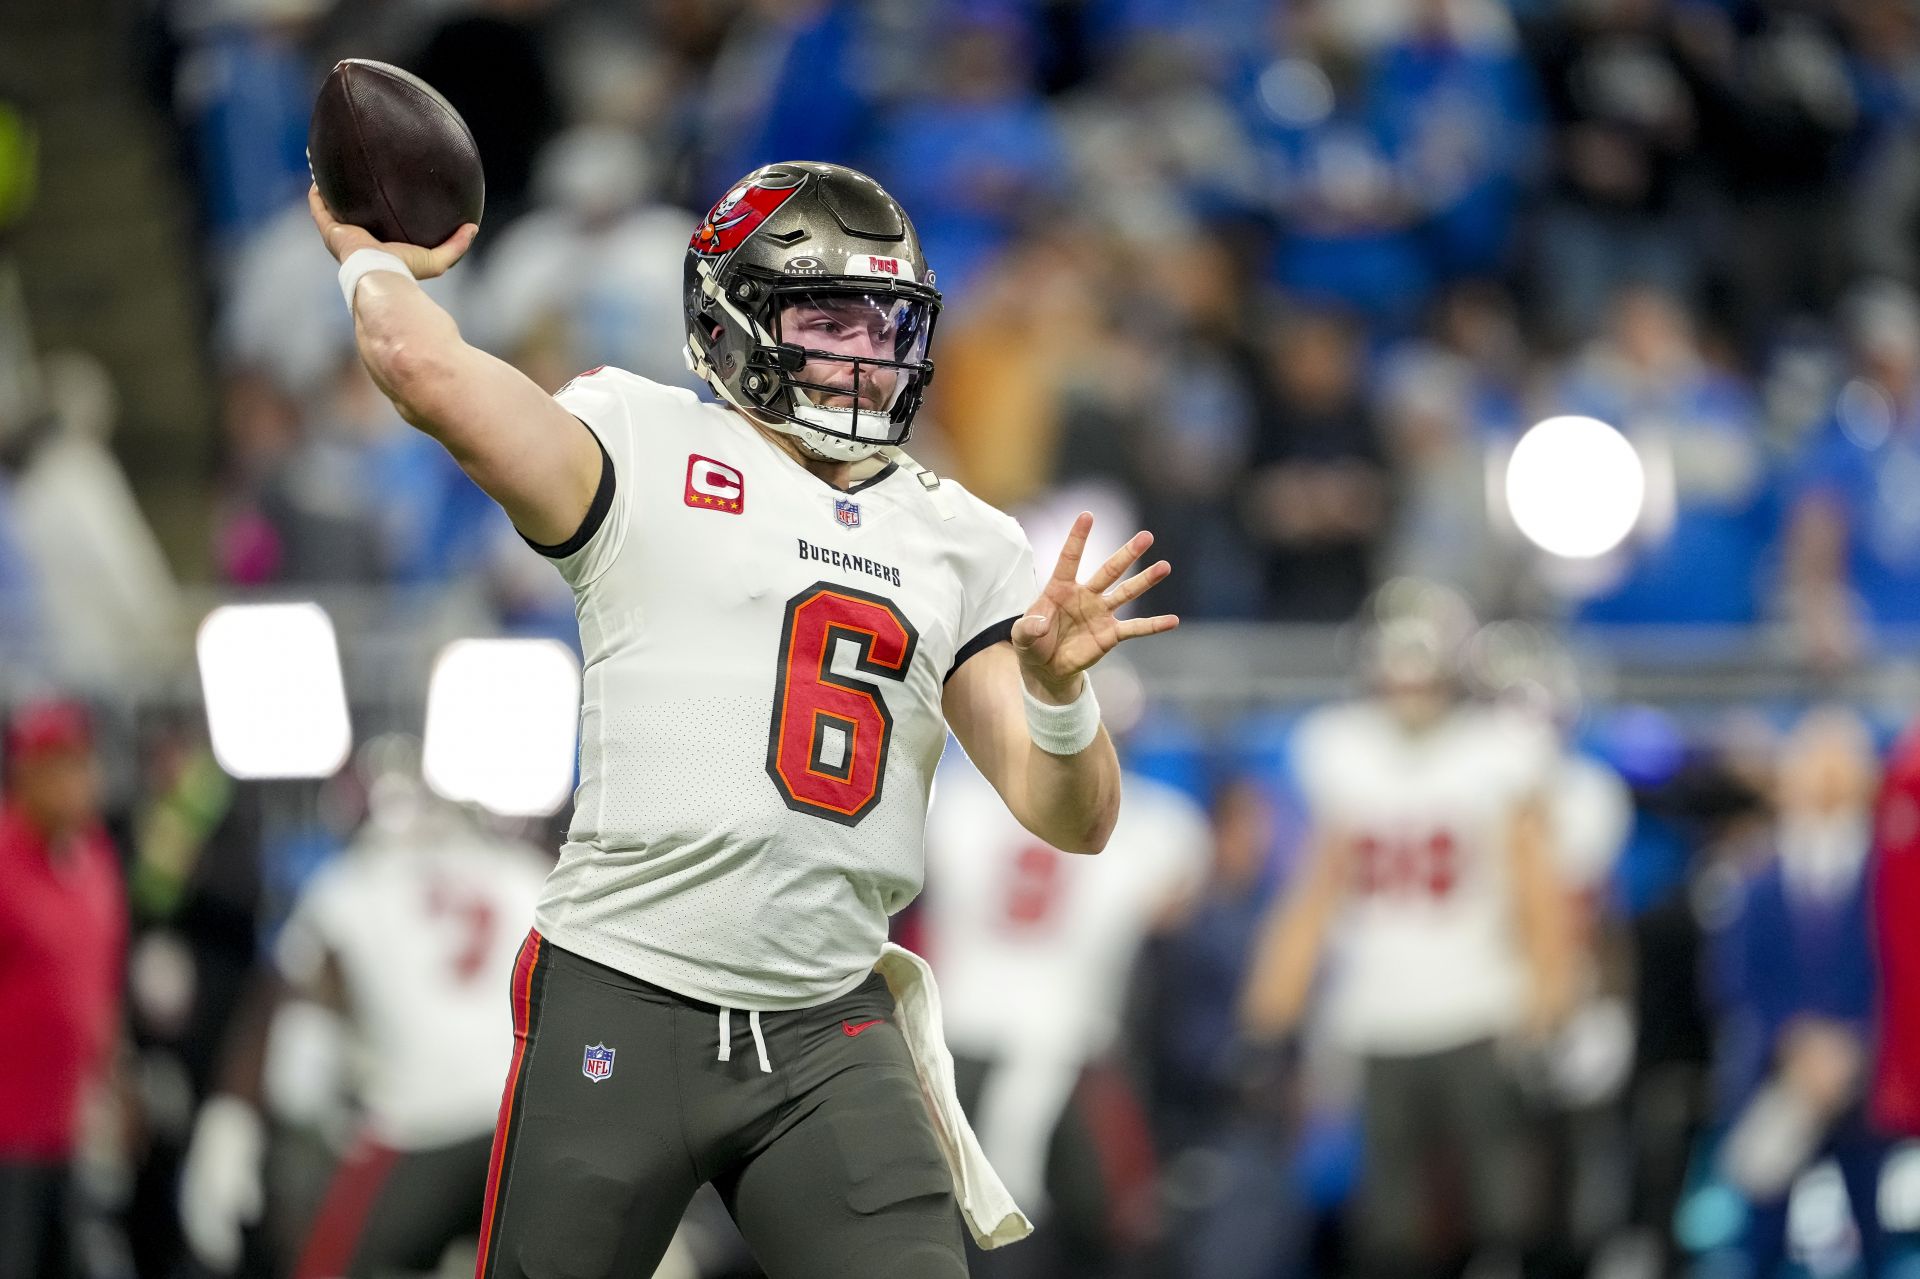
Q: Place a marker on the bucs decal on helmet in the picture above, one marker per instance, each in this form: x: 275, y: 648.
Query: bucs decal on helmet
x: 741, y: 211
x: 871, y: 264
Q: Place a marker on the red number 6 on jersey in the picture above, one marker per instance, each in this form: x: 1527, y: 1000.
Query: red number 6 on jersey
x: 828, y: 753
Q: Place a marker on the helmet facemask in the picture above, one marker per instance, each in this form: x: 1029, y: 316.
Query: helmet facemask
x: 810, y: 307
x: 860, y: 355
x: 840, y: 364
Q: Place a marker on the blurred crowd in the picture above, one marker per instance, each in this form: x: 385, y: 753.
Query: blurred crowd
x: 1279, y: 279
x: 1274, y: 279
x: 1283, y: 280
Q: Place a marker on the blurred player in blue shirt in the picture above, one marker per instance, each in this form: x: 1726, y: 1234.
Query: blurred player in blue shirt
x: 1792, y: 972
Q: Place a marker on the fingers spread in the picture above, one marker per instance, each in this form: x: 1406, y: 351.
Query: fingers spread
x: 1137, y: 585
x: 1120, y: 561
x: 1067, y: 567
x: 1134, y: 628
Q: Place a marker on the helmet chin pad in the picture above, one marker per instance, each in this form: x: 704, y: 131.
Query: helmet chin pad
x: 860, y: 428
x: 825, y: 432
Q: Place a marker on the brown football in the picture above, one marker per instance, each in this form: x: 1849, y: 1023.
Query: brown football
x: 391, y: 155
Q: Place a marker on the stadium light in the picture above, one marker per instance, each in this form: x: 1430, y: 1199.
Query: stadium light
x: 1575, y: 486
x: 270, y: 677
x: 501, y: 720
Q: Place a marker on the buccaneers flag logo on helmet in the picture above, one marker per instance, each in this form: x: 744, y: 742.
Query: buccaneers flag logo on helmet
x: 741, y: 210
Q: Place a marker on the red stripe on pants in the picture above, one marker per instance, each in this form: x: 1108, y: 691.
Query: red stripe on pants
x: 522, y: 996
x: 1124, y: 1145
x: 355, y: 1188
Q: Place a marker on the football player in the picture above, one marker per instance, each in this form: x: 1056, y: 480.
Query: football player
x: 1431, y: 878
x: 782, y: 615
x: 1583, y: 1073
x: 406, y: 939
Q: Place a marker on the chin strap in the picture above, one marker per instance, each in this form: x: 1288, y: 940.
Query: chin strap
x: 929, y: 482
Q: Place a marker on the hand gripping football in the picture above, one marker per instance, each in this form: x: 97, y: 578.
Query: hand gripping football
x: 391, y: 155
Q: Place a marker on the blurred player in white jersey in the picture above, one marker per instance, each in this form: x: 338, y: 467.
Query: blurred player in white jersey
x: 1590, y: 816
x: 407, y: 938
x: 1431, y: 894
x: 1584, y: 1070
x: 1035, y: 949
x: 783, y: 615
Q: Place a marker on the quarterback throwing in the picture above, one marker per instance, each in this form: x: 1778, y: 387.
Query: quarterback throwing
x: 782, y: 615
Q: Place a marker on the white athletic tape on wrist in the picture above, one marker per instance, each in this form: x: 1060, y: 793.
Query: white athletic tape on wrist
x: 1063, y: 730
x: 363, y: 262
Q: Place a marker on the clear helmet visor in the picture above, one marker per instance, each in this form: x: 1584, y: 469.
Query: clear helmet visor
x: 861, y: 352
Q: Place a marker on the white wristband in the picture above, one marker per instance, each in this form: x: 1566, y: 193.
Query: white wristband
x: 363, y: 262
x: 1063, y: 730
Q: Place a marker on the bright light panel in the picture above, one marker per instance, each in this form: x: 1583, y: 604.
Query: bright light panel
x: 501, y: 721
x: 276, y: 705
x: 1575, y: 486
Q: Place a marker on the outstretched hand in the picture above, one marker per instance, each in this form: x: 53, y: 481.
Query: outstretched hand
x: 343, y: 238
x: 1072, y: 624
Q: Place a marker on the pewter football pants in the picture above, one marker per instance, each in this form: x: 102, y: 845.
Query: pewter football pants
x: 389, y: 1211
x: 617, y: 1108
x: 1457, y: 1108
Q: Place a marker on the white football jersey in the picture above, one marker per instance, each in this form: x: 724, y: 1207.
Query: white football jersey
x: 1034, y: 946
x: 761, y: 715
x: 424, y: 926
x: 1426, y: 952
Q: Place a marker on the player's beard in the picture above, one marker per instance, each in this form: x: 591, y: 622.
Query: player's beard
x: 872, y: 398
x: 876, y: 385
x: 865, y: 403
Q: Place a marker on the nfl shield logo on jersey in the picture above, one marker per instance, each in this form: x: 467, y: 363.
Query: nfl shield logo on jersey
x: 848, y: 513
x: 598, y: 1064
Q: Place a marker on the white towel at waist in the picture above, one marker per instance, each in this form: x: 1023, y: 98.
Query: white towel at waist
x: 991, y: 1215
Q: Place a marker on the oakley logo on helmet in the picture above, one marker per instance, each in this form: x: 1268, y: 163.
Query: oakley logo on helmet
x: 805, y: 266
x: 715, y: 486
x: 741, y: 211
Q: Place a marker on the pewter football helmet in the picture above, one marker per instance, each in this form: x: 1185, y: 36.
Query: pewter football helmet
x: 794, y: 257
